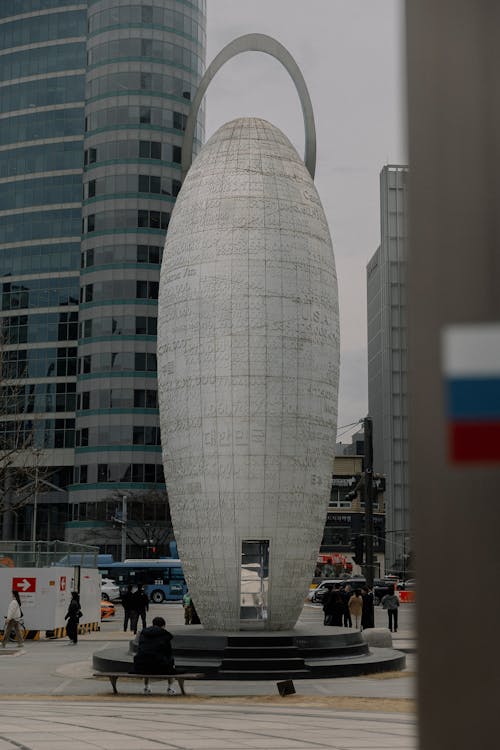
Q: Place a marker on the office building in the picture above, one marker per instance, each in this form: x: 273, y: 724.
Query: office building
x: 387, y: 359
x: 94, y: 101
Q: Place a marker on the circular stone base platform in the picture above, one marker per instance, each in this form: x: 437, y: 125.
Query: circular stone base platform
x: 304, y: 652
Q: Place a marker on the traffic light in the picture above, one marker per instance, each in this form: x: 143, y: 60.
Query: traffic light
x: 357, y: 546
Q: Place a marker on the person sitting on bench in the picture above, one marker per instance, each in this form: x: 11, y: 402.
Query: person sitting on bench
x: 154, y: 653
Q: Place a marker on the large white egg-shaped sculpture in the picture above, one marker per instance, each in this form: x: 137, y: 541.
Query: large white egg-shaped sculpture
x: 248, y: 368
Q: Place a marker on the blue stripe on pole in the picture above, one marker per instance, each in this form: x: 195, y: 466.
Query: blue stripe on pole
x: 473, y: 398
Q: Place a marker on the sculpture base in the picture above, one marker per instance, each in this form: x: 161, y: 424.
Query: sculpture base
x: 302, y: 653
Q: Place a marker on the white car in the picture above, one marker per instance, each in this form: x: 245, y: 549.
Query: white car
x: 321, y: 588
x: 110, y: 590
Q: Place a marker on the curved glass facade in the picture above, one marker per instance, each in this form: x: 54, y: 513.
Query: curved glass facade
x: 42, y: 120
x: 94, y: 97
x: 145, y: 60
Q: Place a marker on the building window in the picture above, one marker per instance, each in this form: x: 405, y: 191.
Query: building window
x: 153, y: 219
x: 145, y: 112
x: 155, y: 150
x: 64, y: 433
x: 146, y: 289
x: 147, y: 14
x: 180, y: 121
x: 149, y: 254
x: 150, y: 149
x: 145, y: 399
x: 146, y: 326
x: 145, y: 362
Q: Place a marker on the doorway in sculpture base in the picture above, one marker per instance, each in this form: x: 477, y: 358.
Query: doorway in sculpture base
x: 301, y: 653
x: 254, y: 583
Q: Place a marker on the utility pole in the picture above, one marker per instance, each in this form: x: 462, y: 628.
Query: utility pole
x: 124, y: 527
x: 369, y: 566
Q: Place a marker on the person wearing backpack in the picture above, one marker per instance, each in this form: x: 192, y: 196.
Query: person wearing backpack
x: 390, y: 602
x: 13, y: 621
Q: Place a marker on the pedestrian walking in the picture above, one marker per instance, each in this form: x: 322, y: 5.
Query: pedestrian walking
x: 390, y: 602
x: 73, y: 616
x: 188, y: 609
x: 154, y: 653
x: 140, y: 602
x: 346, y: 594
x: 130, y: 615
x: 13, y: 620
x: 333, y: 607
x: 356, y: 607
x: 368, y: 616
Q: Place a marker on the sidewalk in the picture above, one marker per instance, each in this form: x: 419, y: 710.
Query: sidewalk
x: 113, y: 725
x: 50, y: 701
x: 50, y: 668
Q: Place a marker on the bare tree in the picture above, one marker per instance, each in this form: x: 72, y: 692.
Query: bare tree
x: 22, y: 469
x: 149, y: 523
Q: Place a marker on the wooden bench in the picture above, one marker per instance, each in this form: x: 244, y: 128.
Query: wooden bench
x: 115, y: 676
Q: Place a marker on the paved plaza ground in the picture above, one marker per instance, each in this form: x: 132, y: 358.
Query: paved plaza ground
x: 48, y: 699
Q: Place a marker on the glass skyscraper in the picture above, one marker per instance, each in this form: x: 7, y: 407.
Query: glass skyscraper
x: 93, y: 102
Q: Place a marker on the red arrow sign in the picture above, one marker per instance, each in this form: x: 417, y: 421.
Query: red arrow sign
x: 24, y: 584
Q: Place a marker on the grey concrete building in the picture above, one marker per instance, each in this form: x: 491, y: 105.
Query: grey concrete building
x: 387, y: 359
x: 95, y: 97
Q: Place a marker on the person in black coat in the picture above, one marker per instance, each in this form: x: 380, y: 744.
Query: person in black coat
x: 334, y: 607
x: 154, y: 652
x: 140, y: 603
x: 368, y: 616
x: 130, y: 614
x: 73, y: 616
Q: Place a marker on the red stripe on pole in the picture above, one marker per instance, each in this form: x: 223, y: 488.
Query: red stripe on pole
x: 474, y: 441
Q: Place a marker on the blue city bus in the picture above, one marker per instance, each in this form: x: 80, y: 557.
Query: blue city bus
x: 163, y: 580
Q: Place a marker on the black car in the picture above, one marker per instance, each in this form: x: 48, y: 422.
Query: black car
x: 381, y: 587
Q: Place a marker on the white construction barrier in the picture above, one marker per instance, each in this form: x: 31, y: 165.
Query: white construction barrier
x: 45, y: 595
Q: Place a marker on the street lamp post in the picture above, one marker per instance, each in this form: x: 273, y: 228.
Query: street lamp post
x: 124, y: 527
x: 35, y: 509
x: 368, y: 430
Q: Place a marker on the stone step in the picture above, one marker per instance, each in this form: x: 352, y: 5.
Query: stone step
x: 278, y: 674
x: 250, y: 665
x: 256, y: 652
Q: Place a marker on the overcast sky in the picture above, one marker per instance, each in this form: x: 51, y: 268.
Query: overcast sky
x: 351, y: 55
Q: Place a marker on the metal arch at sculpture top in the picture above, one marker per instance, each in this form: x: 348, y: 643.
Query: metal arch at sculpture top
x: 254, y: 43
